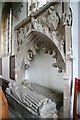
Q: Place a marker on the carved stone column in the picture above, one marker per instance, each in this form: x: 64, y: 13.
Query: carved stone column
x: 68, y: 71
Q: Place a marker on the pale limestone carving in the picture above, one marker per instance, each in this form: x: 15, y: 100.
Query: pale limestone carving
x: 41, y: 26
x: 69, y: 55
x: 54, y: 54
x: 46, y: 23
x: 49, y: 20
x: 33, y: 6
x: 58, y: 40
x: 21, y: 36
x: 38, y: 26
x: 30, y: 55
x: 53, y: 18
x: 61, y: 45
x: 59, y: 63
x: 26, y: 29
x: 67, y: 18
x: 38, y: 100
x: 55, y: 37
x: 27, y: 63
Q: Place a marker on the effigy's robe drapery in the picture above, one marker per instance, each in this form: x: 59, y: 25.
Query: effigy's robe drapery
x: 38, y: 100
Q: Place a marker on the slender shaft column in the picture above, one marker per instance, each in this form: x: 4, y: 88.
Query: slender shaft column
x: 68, y: 71
x: 75, y: 6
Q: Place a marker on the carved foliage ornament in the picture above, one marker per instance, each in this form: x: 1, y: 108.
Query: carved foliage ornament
x: 58, y: 62
x: 49, y: 20
x: 67, y: 18
x: 46, y: 23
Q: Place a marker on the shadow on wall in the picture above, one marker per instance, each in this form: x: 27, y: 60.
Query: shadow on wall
x: 42, y: 72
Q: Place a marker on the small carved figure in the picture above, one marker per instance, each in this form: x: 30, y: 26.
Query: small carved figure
x: 20, y: 36
x: 53, y: 18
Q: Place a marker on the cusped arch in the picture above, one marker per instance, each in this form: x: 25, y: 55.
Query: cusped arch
x: 41, y: 41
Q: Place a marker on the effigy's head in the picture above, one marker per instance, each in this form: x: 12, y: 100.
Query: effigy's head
x: 25, y: 82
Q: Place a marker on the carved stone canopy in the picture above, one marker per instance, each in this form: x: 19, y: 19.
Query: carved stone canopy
x: 36, y: 41
x: 43, y: 30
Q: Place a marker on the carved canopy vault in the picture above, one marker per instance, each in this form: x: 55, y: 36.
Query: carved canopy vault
x: 43, y: 29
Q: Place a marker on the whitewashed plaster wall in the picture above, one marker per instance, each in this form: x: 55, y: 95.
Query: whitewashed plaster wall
x: 42, y: 72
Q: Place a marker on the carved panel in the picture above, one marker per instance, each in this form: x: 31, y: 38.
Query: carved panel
x: 21, y: 35
x: 49, y: 19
